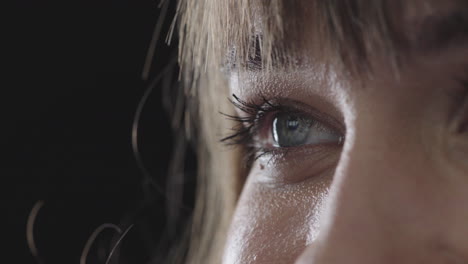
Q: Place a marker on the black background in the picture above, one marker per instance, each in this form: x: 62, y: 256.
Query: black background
x: 72, y: 86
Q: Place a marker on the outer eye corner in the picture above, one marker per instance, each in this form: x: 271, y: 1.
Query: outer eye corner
x: 459, y: 124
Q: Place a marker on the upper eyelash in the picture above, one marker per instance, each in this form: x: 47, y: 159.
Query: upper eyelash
x: 246, y: 128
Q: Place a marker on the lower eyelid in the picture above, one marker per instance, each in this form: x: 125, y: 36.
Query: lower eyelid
x: 290, y: 167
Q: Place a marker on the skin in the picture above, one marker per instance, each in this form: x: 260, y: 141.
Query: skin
x: 396, y: 191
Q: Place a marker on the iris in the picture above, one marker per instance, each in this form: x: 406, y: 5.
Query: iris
x: 291, y: 130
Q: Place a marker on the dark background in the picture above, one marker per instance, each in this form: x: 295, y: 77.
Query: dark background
x: 69, y: 96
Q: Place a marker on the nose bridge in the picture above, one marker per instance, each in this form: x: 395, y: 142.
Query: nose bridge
x: 365, y: 220
x: 371, y: 166
x: 357, y: 216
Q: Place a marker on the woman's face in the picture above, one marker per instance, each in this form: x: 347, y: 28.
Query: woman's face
x: 360, y: 170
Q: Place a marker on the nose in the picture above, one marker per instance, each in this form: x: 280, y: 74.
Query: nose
x: 381, y: 202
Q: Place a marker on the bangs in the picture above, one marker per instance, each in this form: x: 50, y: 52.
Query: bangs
x: 239, y: 34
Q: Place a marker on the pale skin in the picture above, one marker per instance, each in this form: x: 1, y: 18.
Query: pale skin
x: 395, y: 191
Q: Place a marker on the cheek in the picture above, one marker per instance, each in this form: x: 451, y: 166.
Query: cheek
x: 273, y: 224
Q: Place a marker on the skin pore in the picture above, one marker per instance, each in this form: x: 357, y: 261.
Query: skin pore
x: 395, y: 189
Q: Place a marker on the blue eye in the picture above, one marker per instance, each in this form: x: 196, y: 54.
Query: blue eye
x: 291, y: 130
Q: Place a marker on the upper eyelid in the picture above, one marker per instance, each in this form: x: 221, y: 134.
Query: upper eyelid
x: 265, y: 105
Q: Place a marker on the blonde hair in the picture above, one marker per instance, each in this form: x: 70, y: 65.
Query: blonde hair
x: 225, y: 35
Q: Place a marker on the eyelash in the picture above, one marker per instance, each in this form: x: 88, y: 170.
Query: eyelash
x: 247, y: 126
x: 250, y: 126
